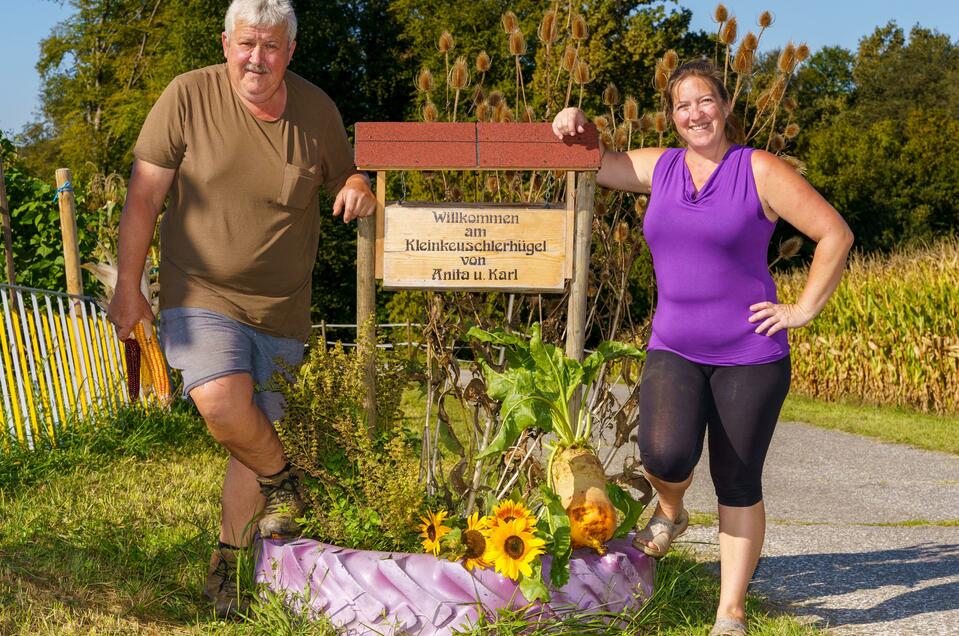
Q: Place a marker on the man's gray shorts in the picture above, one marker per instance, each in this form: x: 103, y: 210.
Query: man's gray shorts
x: 205, y: 345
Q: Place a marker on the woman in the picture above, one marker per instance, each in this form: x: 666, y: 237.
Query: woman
x: 718, y: 358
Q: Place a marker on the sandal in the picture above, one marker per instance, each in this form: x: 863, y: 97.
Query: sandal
x: 661, y: 532
x: 728, y: 627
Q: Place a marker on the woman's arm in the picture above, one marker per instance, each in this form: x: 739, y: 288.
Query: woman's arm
x: 785, y: 193
x: 630, y: 171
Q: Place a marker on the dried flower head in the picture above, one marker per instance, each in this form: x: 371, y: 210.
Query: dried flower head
x: 621, y: 233
x: 459, y: 74
x: 640, y: 205
x: 483, y: 62
x: 445, y: 44
x: 777, y: 143
x: 606, y: 138
x: 750, y: 41
x: 601, y: 123
x: 611, y: 95
x: 647, y: 123
x: 483, y: 112
x: 766, y: 19
x: 430, y: 113
x: 548, y: 28
x: 510, y: 22
x: 456, y: 194
x: 791, y: 131
x: 491, y: 182
x: 494, y: 99
x: 789, y: 104
x: 424, y: 81
x: 790, y: 247
x: 720, y: 14
x: 479, y: 96
x: 728, y: 35
x: 578, y: 28
x: 660, y: 77
x: 670, y: 60
x: 621, y: 137
x: 802, y: 52
x: 762, y: 102
x: 787, y: 59
x: 581, y: 73
x: 517, y: 42
x: 568, y: 61
x: 796, y: 164
x: 502, y: 114
x: 599, y: 208
x: 659, y: 122
x: 743, y: 62
x: 630, y: 109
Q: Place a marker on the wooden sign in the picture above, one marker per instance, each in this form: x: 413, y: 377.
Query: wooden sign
x: 476, y: 247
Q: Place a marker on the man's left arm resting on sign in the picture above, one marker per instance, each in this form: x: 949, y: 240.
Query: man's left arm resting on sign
x: 355, y: 199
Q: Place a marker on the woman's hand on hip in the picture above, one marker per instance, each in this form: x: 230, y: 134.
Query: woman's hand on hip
x: 776, y: 317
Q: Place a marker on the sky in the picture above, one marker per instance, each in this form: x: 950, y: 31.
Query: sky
x: 817, y: 22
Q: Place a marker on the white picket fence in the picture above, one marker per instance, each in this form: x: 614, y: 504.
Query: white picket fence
x: 60, y: 361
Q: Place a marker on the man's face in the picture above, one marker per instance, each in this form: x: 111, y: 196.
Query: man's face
x: 256, y: 60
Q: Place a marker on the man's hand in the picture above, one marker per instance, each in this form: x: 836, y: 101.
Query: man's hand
x: 355, y: 199
x: 126, y: 308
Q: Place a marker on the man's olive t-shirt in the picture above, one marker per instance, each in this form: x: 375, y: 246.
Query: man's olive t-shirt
x: 241, y: 229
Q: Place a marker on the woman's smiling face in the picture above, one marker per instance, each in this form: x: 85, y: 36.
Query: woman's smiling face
x: 699, y: 114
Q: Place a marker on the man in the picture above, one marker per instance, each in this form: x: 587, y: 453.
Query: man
x: 242, y: 149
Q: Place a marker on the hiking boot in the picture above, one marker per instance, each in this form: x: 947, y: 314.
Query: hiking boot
x: 283, y: 505
x: 221, y: 587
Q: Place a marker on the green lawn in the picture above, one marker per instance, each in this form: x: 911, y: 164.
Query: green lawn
x: 111, y: 533
x: 899, y: 426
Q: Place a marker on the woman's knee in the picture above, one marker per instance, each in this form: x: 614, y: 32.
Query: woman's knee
x: 738, y: 492
x: 667, y: 464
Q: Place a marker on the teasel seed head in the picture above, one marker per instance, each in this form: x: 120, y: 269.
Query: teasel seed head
x: 621, y: 233
x: 430, y: 113
x: 802, y: 52
x: 445, y: 44
x: 778, y: 89
x: 599, y: 208
x: 721, y: 14
x: 621, y: 137
x: 670, y: 60
x: 762, y: 102
x: 424, y: 81
x: 502, y: 113
x: 459, y: 74
x: 630, y: 109
x: 578, y: 28
x: 491, y: 182
x: 517, y: 43
x: 479, y: 95
x: 601, y: 123
x: 611, y: 95
x: 568, y: 60
x: 548, y: 28
x: 796, y: 164
x: 790, y: 247
x: 483, y: 62
x: 787, y: 59
x: 494, y: 99
x: 789, y: 104
x: 659, y: 122
x: 456, y: 194
x: 581, y: 73
x: 778, y: 143
x: 661, y: 79
x: 750, y: 41
x: 510, y: 22
x: 483, y: 112
x: 606, y: 138
x: 766, y: 19
x: 728, y: 34
x: 743, y: 62
x: 640, y: 205
x: 791, y: 131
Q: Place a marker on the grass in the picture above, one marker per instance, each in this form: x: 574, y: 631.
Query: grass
x: 111, y: 532
x: 895, y: 425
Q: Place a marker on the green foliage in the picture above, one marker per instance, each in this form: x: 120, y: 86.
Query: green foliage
x: 555, y: 525
x: 630, y: 508
x: 362, y: 487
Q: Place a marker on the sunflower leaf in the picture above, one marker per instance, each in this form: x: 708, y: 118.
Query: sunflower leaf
x: 625, y: 503
x: 532, y: 586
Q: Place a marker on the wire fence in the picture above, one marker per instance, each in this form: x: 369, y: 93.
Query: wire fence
x: 59, y: 362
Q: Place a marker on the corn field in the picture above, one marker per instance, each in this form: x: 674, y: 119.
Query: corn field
x: 890, y: 334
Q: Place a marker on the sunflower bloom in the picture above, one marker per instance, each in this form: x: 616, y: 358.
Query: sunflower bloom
x: 512, y: 547
x: 432, y: 530
x: 508, y: 510
x: 476, y: 542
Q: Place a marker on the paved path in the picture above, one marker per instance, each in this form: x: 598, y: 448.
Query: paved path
x: 826, y: 559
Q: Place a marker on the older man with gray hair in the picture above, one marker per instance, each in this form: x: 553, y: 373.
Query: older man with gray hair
x: 240, y: 150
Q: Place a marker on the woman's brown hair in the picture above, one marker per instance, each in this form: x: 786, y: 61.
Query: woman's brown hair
x: 707, y: 71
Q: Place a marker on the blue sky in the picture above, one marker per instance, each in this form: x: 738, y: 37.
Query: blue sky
x: 816, y: 22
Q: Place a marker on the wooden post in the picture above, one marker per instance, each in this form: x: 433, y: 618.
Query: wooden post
x: 7, y: 232
x: 366, y: 295
x: 68, y: 228
x: 578, y: 286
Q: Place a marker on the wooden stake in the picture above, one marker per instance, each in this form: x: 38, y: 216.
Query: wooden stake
x: 68, y: 228
x: 578, y: 288
x: 7, y: 232
x: 366, y: 296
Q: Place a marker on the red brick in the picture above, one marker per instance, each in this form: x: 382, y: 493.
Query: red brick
x: 407, y: 155
x: 516, y: 146
x: 415, y: 131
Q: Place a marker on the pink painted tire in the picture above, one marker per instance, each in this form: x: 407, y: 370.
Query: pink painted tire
x: 366, y: 592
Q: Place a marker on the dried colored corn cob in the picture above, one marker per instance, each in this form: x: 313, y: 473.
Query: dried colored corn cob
x: 132, y: 350
x: 153, y: 362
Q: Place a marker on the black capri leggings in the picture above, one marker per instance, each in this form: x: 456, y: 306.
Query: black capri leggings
x: 740, y: 404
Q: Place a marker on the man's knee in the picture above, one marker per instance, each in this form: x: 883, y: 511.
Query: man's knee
x: 224, y: 403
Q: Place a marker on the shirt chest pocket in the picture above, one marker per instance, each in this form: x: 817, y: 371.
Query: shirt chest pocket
x: 299, y: 186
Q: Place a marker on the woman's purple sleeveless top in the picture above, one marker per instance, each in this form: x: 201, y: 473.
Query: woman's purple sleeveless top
x: 709, y: 254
